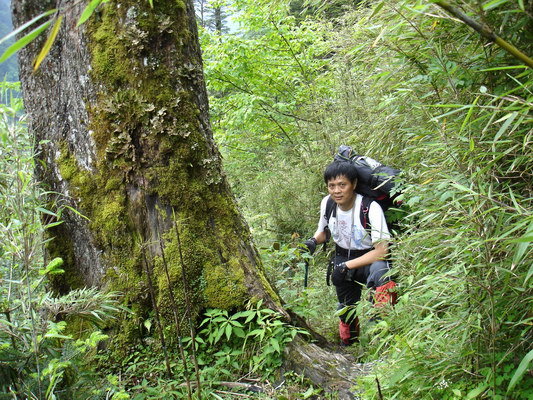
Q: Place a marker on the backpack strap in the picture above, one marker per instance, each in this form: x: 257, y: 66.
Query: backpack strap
x: 365, y: 208
x: 331, y: 209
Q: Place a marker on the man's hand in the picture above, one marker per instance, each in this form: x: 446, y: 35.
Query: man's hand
x: 310, y: 245
x: 339, y: 273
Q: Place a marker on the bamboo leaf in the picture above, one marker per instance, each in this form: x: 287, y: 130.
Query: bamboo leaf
x: 45, y: 211
x: 89, y: 10
x: 24, y: 41
x: 48, y: 44
x: 463, y: 188
x: 521, y: 370
x: 377, y: 9
x: 508, y: 121
x: 27, y: 24
x: 523, y: 245
x: 529, y: 273
x: 468, y: 115
x: 493, y: 4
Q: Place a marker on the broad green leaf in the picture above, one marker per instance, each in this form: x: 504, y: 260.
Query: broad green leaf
x: 48, y: 44
x: 27, y: 24
x: 239, y: 332
x: 275, y: 344
x: 521, y: 370
x: 23, y: 42
x: 476, y: 392
x: 53, y: 267
x: 228, y: 331
x: 89, y: 10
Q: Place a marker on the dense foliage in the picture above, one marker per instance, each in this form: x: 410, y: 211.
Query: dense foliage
x: 408, y: 85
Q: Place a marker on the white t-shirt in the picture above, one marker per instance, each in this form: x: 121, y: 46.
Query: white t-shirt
x: 346, y: 229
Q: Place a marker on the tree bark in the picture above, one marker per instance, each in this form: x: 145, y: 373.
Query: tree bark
x: 120, y: 116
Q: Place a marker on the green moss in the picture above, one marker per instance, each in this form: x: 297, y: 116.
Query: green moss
x: 225, y: 285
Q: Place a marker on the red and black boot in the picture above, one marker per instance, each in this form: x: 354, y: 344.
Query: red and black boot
x: 349, y: 333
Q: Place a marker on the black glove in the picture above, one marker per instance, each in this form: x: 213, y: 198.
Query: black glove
x: 310, y: 244
x: 339, y: 273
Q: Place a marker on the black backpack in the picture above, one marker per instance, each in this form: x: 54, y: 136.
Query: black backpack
x: 375, y: 182
x: 374, y: 179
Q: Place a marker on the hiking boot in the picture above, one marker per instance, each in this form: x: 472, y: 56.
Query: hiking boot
x: 349, y: 333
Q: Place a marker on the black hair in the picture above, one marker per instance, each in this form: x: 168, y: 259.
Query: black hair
x: 340, y: 168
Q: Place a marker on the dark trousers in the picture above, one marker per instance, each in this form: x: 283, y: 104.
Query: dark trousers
x: 349, y: 291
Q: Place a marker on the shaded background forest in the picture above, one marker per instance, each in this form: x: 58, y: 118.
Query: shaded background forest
x: 8, y: 69
x: 406, y: 84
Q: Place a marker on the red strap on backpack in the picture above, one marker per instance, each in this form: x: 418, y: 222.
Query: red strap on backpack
x: 386, y: 294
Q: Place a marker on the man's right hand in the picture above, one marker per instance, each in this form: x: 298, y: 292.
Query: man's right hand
x: 310, y: 244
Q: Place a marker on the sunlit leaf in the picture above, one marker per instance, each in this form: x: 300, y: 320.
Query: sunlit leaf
x: 89, y: 10
x: 48, y: 44
x: 24, y: 41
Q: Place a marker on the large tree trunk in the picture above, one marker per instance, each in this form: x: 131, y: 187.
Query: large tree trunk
x: 122, y: 106
x: 119, y: 112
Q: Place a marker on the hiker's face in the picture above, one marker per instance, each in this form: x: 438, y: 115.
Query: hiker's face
x: 341, y: 190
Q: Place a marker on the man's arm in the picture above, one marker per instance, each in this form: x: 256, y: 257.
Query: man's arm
x: 320, y: 237
x: 378, y: 253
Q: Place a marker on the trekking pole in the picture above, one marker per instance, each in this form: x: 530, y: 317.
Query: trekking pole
x: 306, y: 273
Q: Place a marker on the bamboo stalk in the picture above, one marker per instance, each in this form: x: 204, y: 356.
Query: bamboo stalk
x: 186, y: 290
x: 176, y: 319
x: 486, y: 32
x: 156, y: 309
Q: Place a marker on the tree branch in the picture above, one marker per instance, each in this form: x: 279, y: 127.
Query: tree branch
x: 486, y: 32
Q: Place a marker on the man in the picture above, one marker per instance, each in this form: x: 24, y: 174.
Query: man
x: 359, y: 254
